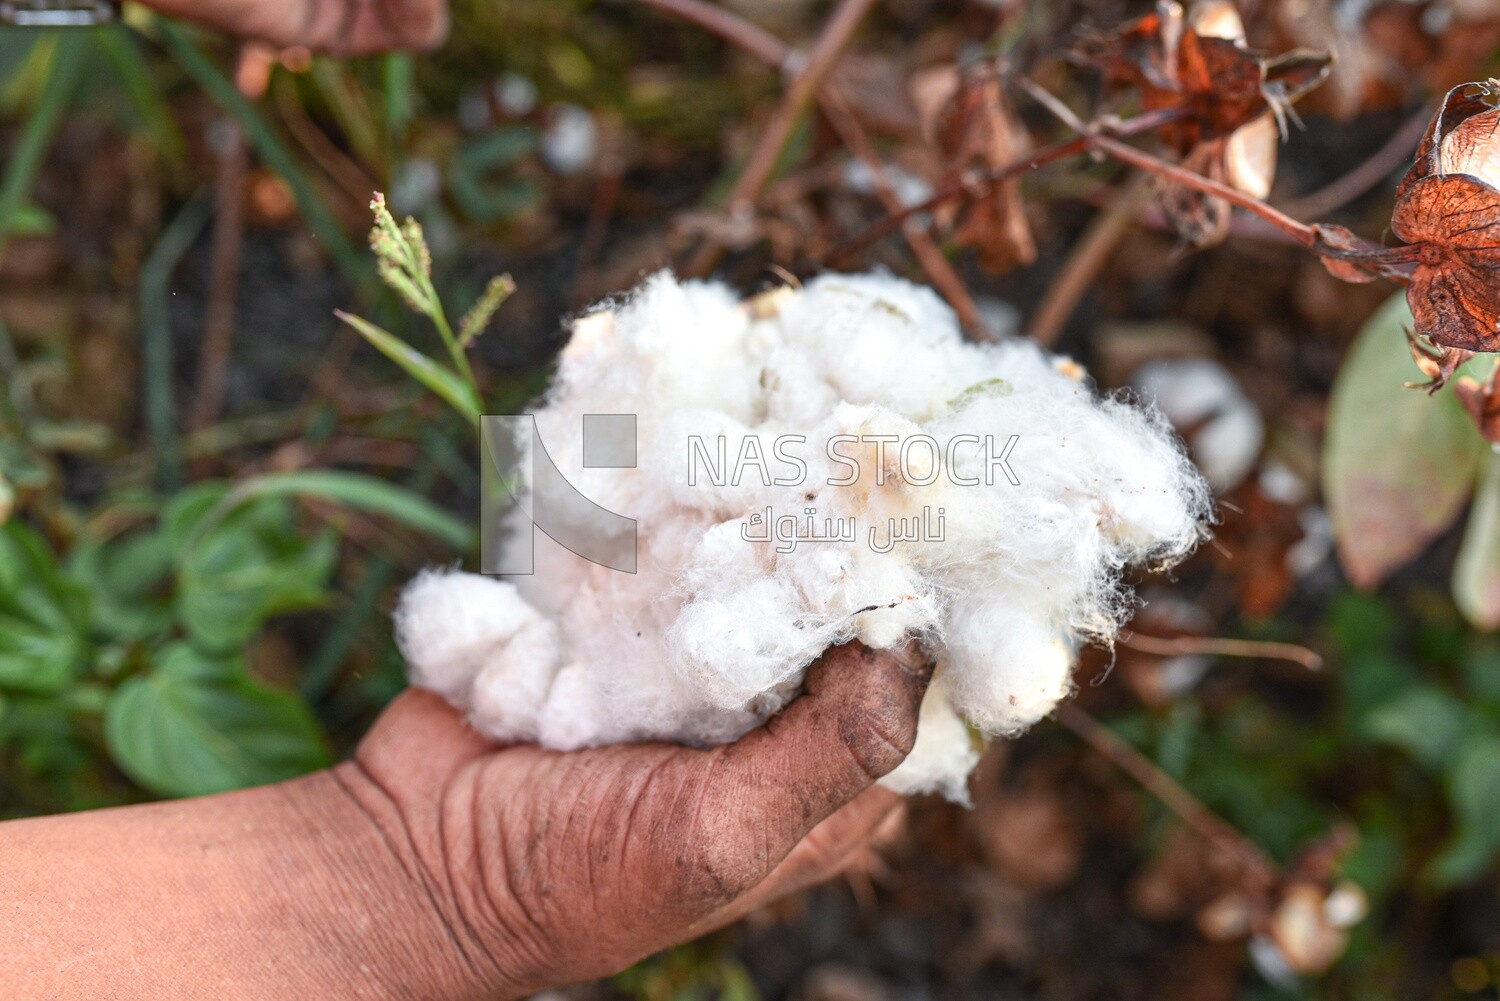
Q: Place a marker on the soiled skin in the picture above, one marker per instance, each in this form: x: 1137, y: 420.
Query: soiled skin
x: 436, y: 865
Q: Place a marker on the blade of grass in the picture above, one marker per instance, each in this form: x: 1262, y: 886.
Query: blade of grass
x: 349, y: 107
x: 122, y: 50
x: 358, y: 271
x: 357, y: 491
x: 397, y: 72
x: 446, y: 383
x: 156, y: 336
x: 26, y: 157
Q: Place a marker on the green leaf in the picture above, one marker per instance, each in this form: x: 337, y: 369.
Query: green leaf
x: 363, y: 493
x: 129, y: 580
x: 1474, y: 791
x: 1476, y: 572
x: 1398, y: 464
x: 1426, y: 722
x: 446, y: 383
x: 237, y: 567
x: 195, y: 725
x: 43, y: 616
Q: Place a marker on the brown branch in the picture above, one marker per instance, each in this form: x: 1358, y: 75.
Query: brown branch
x: 1085, y: 261
x: 978, y: 183
x: 233, y: 156
x: 770, y: 49
x: 729, y: 26
x: 825, y: 53
x: 1172, y: 793
x: 1216, y: 646
x: 1331, y: 243
x: 928, y: 253
x: 351, y: 178
x: 1300, y: 232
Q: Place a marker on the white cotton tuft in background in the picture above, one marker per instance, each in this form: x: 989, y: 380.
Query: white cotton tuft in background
x: 715, y: 631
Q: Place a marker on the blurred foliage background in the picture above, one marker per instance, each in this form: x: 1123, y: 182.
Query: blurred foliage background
x: 210, y: 488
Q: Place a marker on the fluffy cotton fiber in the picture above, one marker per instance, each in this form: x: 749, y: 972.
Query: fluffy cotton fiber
x: 714, y: 632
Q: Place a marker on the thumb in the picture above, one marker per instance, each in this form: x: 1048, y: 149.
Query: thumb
x: 856, y: 721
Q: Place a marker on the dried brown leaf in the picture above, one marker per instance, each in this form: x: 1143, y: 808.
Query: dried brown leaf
x: 1223, y: 84
x: 1449, y: 208
x: 968, y: 119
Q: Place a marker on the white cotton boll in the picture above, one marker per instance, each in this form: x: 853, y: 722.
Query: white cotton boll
x: 1008, y: 665
x: 451, y: 625
x: 795, y: 391
x: 867, y: 334
x: 514, y: 682
x: 737, y: 649
x: 1153, y: 497
x: 944, y: 754
x: 861, y: 473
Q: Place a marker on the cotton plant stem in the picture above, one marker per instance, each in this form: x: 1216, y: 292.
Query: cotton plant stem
x: 942, y: 273
x: 224, y: 277
x: 825, y: 53
x: 1300, y: 232
x: 1216, y: 646
x: 771, y: 50
x: 1172, y: 793
x: 1376, y: 260
x: 978, y: 183
x: 728, y: 25
x: 1087, y: 258
x: 224, y: 257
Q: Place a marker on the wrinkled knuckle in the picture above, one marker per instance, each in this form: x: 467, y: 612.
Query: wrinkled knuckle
x: 879, y: 741
x: 724, y: 858
x: 726, y: 871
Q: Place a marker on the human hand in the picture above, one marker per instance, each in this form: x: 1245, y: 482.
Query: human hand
x: 340, y: 27
x: 543, y: 868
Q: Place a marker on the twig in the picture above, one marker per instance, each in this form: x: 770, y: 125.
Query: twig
x: 1177, y: 646
x: 978, y: 183
x: 1300, y: 232
x: 1385, y: 262
x: 1173, y: 794
x: 927, y: 252
x: 351, y: 178
x: 1374, y: 169
x: 228, y: 236
x: 770, y: 49
x: 223, y: 280
x: 754, y: 39
x: 1085, y: 261
x: 836, y: 36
